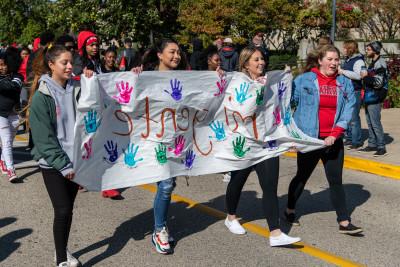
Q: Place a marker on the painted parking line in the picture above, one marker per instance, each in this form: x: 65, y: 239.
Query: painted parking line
x: 366, y: 165
x: 21, y: 138
x: 259, y: 230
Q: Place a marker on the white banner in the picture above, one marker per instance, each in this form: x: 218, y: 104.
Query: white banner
x: 134, y: 130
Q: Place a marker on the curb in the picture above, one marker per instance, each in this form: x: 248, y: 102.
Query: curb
x: 366, y: 165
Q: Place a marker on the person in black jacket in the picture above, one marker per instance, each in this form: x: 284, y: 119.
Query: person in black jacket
x: 10, y: 90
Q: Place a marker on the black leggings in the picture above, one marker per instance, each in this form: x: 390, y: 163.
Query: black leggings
x: 332, y: 158
x: 268, y: 174
x: 62, y: 193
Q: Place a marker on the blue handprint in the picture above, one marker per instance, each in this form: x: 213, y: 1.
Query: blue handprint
x: 189, y: 159
x: 112, y: 151
x: 91, y: 123
x: 271, y: 145
x: 218, y: 129
x: 241, y: 95
x: 288, y: 116
x: 281, y: 89
x: 176, y: 88
x: 130, y: 155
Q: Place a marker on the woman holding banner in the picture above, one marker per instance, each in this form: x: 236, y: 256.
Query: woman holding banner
x: 252, y: 63
x: 52, y: 121
x: 88, y: 48
x: 324, y: 103
x: 169, y: 57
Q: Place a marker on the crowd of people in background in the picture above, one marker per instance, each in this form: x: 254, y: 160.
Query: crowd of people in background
x: 55, y: 65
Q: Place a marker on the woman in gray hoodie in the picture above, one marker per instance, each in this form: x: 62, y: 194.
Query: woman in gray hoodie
x: 52, y: 120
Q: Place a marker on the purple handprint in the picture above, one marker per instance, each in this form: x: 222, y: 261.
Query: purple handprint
x: 281, y: 89
x: 189, y: 159
x: 176, y: 88
x: 221, y: 87
x: 88, y: 149
x: 271, y: 145
x: 179, y: 145
x: 277, y: 116
x: 125, y: 92
x: 112, y: 151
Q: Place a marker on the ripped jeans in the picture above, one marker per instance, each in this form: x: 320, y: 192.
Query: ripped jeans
x: 8, y: 129
x: 162, y: 201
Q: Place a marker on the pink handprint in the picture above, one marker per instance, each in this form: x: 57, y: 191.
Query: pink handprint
x: 277, y: 116
x: 88, y: 148
x: 221, y: 87
x: 179, y: 145
x: 125, y: 92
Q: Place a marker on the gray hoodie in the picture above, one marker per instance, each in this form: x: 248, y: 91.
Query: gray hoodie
x: 65, y: 110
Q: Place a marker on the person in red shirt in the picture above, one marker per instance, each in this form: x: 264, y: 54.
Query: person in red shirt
x: 324, y: 104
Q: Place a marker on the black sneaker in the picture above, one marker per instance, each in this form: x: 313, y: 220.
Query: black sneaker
x: 367, y: 149
x: 291, y: 218
x: 350, y: 229
x: 354, y: 147
x: 347, y: 143
x: 380, y: 152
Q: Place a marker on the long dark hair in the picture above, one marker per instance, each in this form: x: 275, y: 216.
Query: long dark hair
x: 150, y: 60
x: 12, y: 59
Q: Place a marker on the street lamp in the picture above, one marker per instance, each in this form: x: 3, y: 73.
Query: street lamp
x: 333, y: 27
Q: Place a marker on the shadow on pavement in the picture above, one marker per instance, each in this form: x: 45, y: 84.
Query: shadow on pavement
x: 184, y: 221
x: 8, y: 242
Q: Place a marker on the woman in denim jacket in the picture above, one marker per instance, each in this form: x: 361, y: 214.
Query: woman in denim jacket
x: 324, y: 102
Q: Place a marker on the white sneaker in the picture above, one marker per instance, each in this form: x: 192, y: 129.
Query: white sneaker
x: 235, y: 227
x: 71, y: 260
x: 227, y: 177
x: 64, y: 264
x: 282, y: 240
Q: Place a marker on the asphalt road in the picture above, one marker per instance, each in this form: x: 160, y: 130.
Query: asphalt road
x: 118, y: 232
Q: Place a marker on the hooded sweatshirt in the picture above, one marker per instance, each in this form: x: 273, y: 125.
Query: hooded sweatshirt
x: 65, y: 116
x: 229, y: 58
x: 327, y: 105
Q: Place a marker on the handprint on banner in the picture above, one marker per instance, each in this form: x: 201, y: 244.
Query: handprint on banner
x: 241, y: 95
x: 260, y: 96
x: 238, y: 146
x: 277, y: 116
x: 218, y: 129
x: 130, y: 155
x: 189, y: 159
x: 112, y: 151
x: 161, y: 153
x: 88, y: 149
x: 179, y: 145
x: 91, y: 123
x: 288, y: 116
x: 271, y: 145
x: 176, y: 89
x: 221, y: 87
x: 295, y: 134
x: 124, y: 92
x: 281, y: 89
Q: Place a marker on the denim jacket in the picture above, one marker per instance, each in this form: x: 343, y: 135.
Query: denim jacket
x: 305, y: 97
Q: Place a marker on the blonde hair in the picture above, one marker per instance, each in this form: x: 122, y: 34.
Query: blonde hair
x: 245, y: 56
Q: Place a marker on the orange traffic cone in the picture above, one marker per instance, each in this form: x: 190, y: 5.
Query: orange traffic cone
x: 122, y: 64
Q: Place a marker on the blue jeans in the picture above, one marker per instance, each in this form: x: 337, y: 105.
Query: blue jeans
x: 162, y: 201
x: 376, y: 137
x: 353, y: 132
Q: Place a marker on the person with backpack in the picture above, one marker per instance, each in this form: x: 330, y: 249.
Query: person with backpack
x: 351, y: 69
x: 375, y: 80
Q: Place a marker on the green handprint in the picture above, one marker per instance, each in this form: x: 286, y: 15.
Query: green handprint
x: 161, y: 153
x: 294, y: 134
x: 238, y: 147
x: 260, y: 96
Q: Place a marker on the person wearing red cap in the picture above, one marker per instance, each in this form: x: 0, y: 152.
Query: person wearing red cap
x: 88, y: 49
